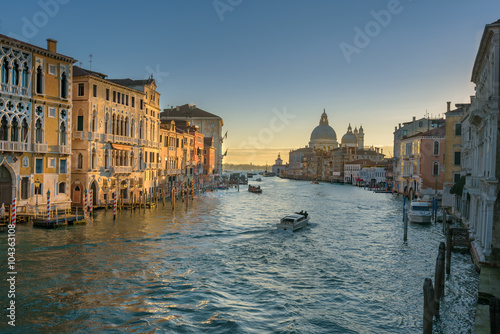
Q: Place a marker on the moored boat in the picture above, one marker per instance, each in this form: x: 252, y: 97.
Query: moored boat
x: 420, y: 212
x: 293, y: 222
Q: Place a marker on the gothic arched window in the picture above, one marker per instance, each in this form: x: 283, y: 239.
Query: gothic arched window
x: 79, y: 161
x: 106, y: 123
x: 3, y: 129
x: 15, y: 74
x: 38, y: 131
x: 5, y: 71
x: 24, y: 131
x: 39, y: 80
x: 106, y: 159
x: 24, y: 76
x: 64, y: 86
x: 14, y: 130
x: 62, y: 129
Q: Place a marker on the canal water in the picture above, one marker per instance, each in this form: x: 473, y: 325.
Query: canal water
x: 222, y: 267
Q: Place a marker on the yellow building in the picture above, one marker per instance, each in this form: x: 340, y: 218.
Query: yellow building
x: 115, y: 137
x: 453, y: 146
x: 35, y: 123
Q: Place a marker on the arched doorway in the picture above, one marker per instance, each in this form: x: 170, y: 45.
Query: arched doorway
x: 5, y: 185
x: 77, y: 195
x: 93, y: 187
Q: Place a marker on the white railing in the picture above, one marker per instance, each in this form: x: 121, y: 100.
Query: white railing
x: 64, y: 149
x: 40, y: 148
x: 122, y: 169
x: 14, y: 146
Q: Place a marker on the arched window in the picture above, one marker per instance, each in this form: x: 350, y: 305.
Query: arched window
x: 435, y: 169
x: 38, y: 131
x: 24, y: 131
x: 62, y: 129
x: 94, y: 115
x: 79, y: 161
x: 106, y: 159
x: 93, y: 160
x: 14, y: 130
x: 15, y: 74
x: 64, y: 86
x: 132, y: 129
x: 140, y: 162
x: 24, y: 76
x: 140, y: 129
x: 106, y: 123
x: 5, y: 71
x: 127, y: 132
x: 436, y: 148
x: 3, y: 129
x: 113, y: 124
x: 62, y: 188
x: 39, y: 80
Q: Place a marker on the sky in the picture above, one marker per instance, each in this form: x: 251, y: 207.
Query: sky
x: 270, y: 67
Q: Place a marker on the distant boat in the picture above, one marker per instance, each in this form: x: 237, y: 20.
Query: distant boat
x: 258, y: 179
x: 293, y: 222
x: 315, y: 182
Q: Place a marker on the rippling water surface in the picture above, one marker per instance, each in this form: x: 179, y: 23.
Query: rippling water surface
x: 222, y: 267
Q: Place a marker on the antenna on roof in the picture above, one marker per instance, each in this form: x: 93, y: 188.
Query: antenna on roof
x: 90, y: 61
x: 81, y: 64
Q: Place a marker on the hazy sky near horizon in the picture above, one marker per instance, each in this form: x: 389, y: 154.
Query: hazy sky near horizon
x: 269, y: 68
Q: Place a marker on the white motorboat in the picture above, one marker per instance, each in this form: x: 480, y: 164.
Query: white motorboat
x: 420, y: 212
x: 293, y: 222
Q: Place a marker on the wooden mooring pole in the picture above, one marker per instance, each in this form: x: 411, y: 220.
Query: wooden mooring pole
x: 439, y: 277
x: 448, y: 248
x: 428, y: 306
x: 494, y: 315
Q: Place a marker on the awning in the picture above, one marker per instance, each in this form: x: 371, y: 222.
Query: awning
x: 121, y: 147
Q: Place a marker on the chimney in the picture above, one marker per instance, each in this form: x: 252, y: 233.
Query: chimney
x: 448, y: 103
x: 52, y: 45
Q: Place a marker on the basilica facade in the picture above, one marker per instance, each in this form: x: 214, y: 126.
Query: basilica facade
x: 324, y: 158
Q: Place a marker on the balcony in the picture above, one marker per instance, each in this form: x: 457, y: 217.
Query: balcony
x: 78, y: 135
x: 472, y: 182
x: 94, y: 136
x: 40, y: 148
x: 64, y: 149
x: 121, y: 169
x: 14, y: 146
x: 143, y: 142
x: 14, y: 90
x: 108, y: 137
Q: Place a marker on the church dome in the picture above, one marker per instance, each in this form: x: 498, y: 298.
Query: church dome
x: 349, y: 139
x: 323, y: 130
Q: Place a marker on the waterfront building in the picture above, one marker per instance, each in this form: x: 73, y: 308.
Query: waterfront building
x: 407, y: 130
x: 278, y: 167
x: 115, y: 140
x: 208, y: 161
x: 373, y: 176
x: 170, y: 171
x: 453, y: 152
x: 35, y: 124
x: 480, y: 150
x: 209, y: 125
x: 296, y: 162
x: 352, y: 168
x: 422, y: 163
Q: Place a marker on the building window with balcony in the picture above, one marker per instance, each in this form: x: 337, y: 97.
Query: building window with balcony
x: 64, y: 86
x: 62, y: 166
x: 436, y: 148
x: 127, y: 131
x: 39, y: 165
x: 62, y: 188
x: 113, y: 124
x: 4, y: 129
x: 38, y: 132
x: 79, y: 161
x: 5, y: 71
x: 435, y: 169
x: 24, y: 131
x: 94, y: 121
x: 14, y: 130
x: 62, y: 130
x: 106, y: 159
x: 39, y: 80
x: 15, y: 74
x: 106, y: 123
x: 24, y: 76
